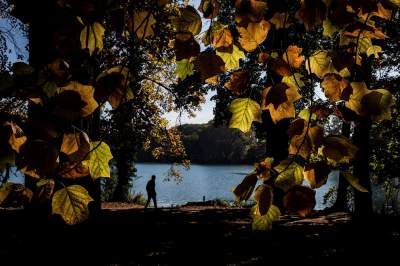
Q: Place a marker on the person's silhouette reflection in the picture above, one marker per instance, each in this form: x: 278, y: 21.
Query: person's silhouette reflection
x: 151, y: 191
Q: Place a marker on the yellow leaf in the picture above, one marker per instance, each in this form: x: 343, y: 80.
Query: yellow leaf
x: 244, y: 112
x: 253, y: 34
x: 143, y: 22
x: 290, y: 174
x: 16, y: 139
x: 264, y: 222
x: 329, y: 28
x: 359, y: 91
x: 320, y: 63
x: 92, y: 37
x: 294, y: 80
x: 374, y: 50
x: 184, y: 68
x: 71, y: 203
x: 87, y: 95
x: 292, y: 56
x: 100, y: 155
x: 232, y: 58
x: 336, y: 88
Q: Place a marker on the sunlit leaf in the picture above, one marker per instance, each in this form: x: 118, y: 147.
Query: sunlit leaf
x: 264, y: 222
x: 338, y: 149
x: 290, y: 174
x: 239, y: 82
x: 100, y: 155
x: 329, y: 28
x: 320, y: 63
x: 188, y: 20
x: 71, y: 203
x: 222, y: 38
x: 292, y: 56
x: 73, y: 170
x: 253, y: 34
x: 374, y: 50
x: 184, y: 68
x: 87, y: 95
x: 244, y: 112
x: 231, y: 58
x: 92, y: 37
x: 336, y: 88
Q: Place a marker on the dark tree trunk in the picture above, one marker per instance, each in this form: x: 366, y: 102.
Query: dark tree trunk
x: 341, y: 196
x: 124, y: 172
x: 277, y: 147
x: 362, y: 200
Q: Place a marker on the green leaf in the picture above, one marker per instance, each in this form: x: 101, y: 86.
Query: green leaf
x: 354, y: 181
x: 264, y: 222
x: 305, y: 114
x: 244, y: 112
x: 329, y: 28
x: 184, y: 68
x: 231, y: 59
x: 72, y: 204
x: 100, y: 155
x: 92, y: 37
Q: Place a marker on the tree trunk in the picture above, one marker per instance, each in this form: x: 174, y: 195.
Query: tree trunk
x: 362, y: 200
x: 124, y: 172
x: 341, y: 196
x: 277, y: 147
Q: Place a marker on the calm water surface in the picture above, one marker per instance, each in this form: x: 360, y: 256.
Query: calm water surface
x: 211, y: 181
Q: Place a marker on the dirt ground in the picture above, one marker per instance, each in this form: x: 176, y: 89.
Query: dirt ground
x: 126, y: 234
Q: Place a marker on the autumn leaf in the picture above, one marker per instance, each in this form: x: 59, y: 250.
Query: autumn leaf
x: 45, y: 189
x: 86, y: 93
x: 292, y: 56
x: 280, y: 20
x: 143, y: 24
x: 320, y: 63
x: 17, y: 138
x: 74, y: 169
x: 184, y: 68
x: 290, y: 174
x: 329, y: 28
x: 14, y: 195
x: 249, y: 11
x: 312, y: 13
x: 336, y: 88
x: 92, y: 37
x: 354, y: 181
x: 231, y: 58
x: 71, y: 203
x: 294, y: 80
x: 222, y: 38
x: 244, y: 112
x: 100, y: 155
x: 299, y: 200
x: 279, y: 100
x: 281, y: 68
x: 188, y: 20
x: 316, y: 173
x: 263, y: 168
x: 338, y: 149
x: 304, y: 138
x: 374, y: 50
x: 186, y: 46
x: 239, y: 82
x: 209, y: 8
x: 264, y: 222
x: 209, y: 65
x: 244, y: 190
x: 253, y: 34
x: 263, y: 196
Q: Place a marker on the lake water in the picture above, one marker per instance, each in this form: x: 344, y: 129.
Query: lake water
x: 211, y: 181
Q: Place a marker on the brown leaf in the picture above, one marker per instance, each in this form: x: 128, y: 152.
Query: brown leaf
x: 209, y: 8
x: 299, y: 200
x: 186, y: 47
x: 281, y: 68
x: 293, y: 57
x: 209, y: 65
x: 336, y: 88
x: 239, y: 82
x: 280, y: 20
x: 262, y: 57
x: 73, y: 170
x: 312, y: 13
x: 244, y: 190
x: 338, y: 149
x: 317, y: 173
x: 222, y: 38
x: 249, y: 11
x: 263, y: 196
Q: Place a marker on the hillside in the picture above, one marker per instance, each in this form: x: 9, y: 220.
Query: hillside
x: 206, y: 144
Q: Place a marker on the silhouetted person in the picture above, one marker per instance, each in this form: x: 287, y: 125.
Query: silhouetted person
x: 151, y: 191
